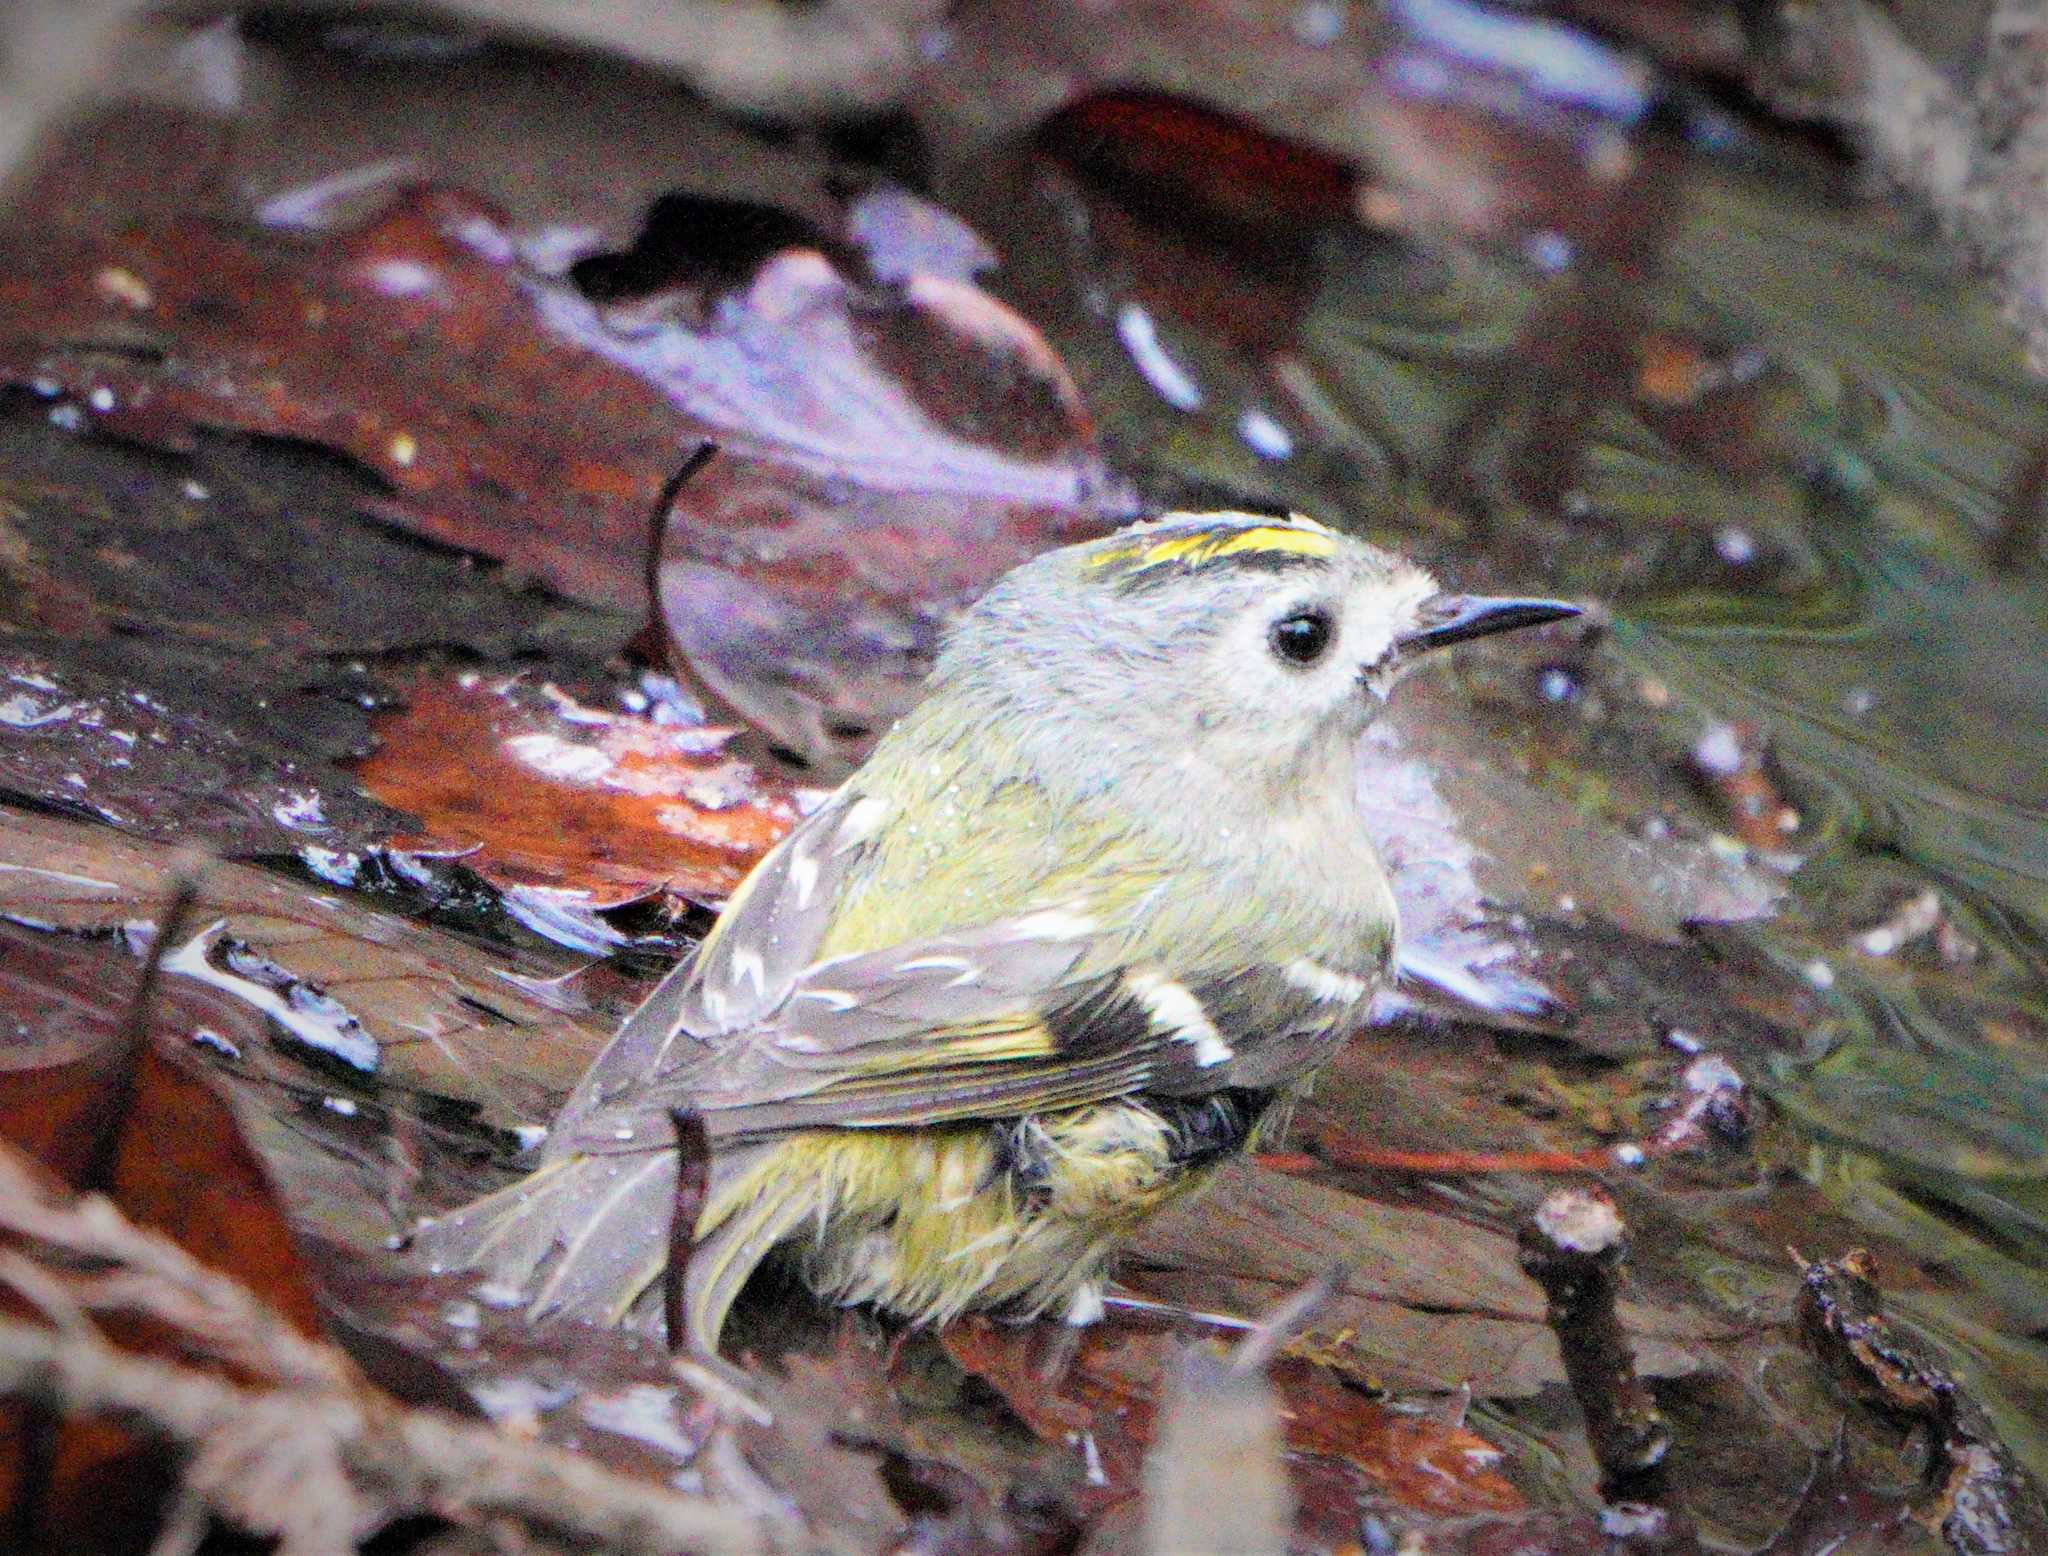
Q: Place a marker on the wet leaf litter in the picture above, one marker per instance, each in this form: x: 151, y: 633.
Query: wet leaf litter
x: 340, y: 521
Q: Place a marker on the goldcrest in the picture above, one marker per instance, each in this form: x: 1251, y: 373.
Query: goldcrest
x: 1080, y: 929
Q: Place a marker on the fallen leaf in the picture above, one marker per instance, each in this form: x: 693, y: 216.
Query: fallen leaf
x: 134, y: 688
x: 906, y: 443
x: 534, y: 789
x: 887, y: 455
x: 359, y: 998
x: 108, y: 1099
x: 411, y: 345
x: 1099, y: 1405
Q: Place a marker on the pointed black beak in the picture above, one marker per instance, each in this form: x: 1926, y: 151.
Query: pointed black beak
x: 1453, y: 618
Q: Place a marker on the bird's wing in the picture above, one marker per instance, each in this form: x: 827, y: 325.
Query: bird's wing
x: 746, y: 967
x: 1014, y: 1016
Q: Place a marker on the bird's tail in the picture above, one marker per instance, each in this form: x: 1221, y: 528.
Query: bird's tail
x: 582, y: 1237
x: 586, y: 1237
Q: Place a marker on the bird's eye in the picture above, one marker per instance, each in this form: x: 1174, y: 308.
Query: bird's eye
x: 1301, y: 638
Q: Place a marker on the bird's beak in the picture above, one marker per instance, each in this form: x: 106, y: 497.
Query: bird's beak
x: 1453, y: 618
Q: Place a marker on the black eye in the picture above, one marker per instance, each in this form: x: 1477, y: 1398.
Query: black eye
x: 1301, y: 638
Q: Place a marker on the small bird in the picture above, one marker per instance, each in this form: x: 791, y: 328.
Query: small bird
x: 1080, y: 929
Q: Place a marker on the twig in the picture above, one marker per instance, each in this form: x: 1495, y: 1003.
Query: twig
x: 1715, y: 1109
x: 1574, y: 1247
x: 1331, y: 1150
x: 652, y: 637
x: 316, y: 1470
x: 309, y: 1455
x: 1976, y: 1494
x: 693, y: 1183
x: 153, y: 1276
x: 116, y: 1102
x: 1215, y: 1479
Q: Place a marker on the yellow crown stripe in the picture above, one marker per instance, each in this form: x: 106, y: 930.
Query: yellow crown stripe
x: 1207, y: 545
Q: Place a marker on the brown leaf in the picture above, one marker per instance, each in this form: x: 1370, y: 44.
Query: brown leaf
x: 1838, y: 1507
x: 893, y: 447
x: 60, y: 1056
x: 412, y: 345
x: 348, y: 994
x: 888, y: 454
x: 181, y: 1166
x: 1204, y: 218
x: 1101, y: 1403
x: 101, y: 1095
x: 535, y: 789
x: 136, y: 1118
x: 135, y: 688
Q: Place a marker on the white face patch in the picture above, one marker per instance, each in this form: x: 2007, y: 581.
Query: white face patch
x: 1176, y: 1012
x: 1393, y: 608
x: 1263, y: 703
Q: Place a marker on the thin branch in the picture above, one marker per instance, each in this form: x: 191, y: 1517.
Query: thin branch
x: 1574, y: 1248
x: 316, y: 1470
x: 693, y: 1184
x: 153, y: 1275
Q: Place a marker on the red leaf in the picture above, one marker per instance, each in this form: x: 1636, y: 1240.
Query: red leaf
x: 557, y: 795
x: 1110, y: 1387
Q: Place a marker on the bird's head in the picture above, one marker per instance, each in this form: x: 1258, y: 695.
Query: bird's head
x: 1250, y: 640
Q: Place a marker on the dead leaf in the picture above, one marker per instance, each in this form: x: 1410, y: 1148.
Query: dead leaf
x: 119, y: 1108
x: 534, y: 789
x: 359, y: 344
x: 1099, y: 1405
x: 887, y: 454
x: 360, y: 997
x: 863, y: 421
